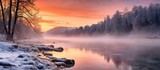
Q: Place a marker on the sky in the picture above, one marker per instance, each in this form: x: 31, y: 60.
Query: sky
x: 75, y: 13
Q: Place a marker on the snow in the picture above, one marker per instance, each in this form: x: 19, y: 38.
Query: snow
x: 43, y: 47
x: 13, y: 57
x: 5, y: 63
x: 26, y: 57
x: 8, y: 54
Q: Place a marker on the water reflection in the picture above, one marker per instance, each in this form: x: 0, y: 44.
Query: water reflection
x: 91, y: 57
x: 142, y: 55
x: 147, y: 60
x: 113, y: 56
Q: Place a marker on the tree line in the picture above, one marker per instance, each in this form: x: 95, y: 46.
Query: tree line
x: 138, y: 20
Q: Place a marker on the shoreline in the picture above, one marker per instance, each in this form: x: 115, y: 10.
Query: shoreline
x: 26, y: 57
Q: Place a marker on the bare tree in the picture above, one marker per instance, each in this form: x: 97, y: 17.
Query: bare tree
x: 19, y: 9
x: 3, y: 17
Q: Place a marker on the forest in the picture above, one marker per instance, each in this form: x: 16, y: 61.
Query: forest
x: 140, y: 20
x: 79, y: 35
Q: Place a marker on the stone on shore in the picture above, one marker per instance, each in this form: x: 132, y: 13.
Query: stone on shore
x: 44, y: 48
x: 60, y: 63
x: 23, y: 55
x: 47, y: 53
x: 29, y: 67
x: 5, y: 63
x: 59, y: 49
x: 40, y: 66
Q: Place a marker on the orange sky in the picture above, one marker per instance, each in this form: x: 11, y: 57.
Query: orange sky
x: 75, y: 13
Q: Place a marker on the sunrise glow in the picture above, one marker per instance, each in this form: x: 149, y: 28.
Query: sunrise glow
x: 75, y: 13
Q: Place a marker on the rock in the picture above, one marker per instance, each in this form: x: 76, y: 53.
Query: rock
x: 47, y: 54
x: 35, y: 49
x: 20, y: 56
x: 23, y: 55
x: 15, y: 46
x: 4, y: 63
x: 59, y: 49
x: 60, y: 60
x: 60, y: 63
x: 52, y: 46
x: 69, y: 63
x: 40, y: 66
x: 30, y: 62
x: 29, y: 67
x: 25, y: 59
x: 44, y: 48
x: 53, y: 59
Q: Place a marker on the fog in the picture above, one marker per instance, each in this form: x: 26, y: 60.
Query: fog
x: 107, y: 40
x: 126, y: 53
x: 97, y: 52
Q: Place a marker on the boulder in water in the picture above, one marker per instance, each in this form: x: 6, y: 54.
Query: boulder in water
x: 69, y: 63
x: 44, y: 48
x: 47, y: 54
x: 59, y: 49
x: 60, y: 63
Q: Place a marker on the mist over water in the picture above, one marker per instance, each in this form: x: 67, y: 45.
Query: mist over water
x: 107, y: 40
x: 109, y: 53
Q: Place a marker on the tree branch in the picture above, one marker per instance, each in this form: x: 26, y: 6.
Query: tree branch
x: 16, y: 17
x: 31, y: 25
x: 10, y: 17
x: 3, y: 17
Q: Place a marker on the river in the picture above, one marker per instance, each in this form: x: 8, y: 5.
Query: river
x: 126, y: 54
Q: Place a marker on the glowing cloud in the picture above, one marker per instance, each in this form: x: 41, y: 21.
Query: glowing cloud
x: 88, y: 11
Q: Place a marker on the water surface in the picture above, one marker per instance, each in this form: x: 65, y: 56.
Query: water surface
x: 138, y: 55
x: 108, y: 53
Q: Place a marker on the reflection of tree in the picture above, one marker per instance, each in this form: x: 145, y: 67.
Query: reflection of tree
x: 117, y: 59
x: 107, y: 57
x: 147, y: 60
x: 141, y: 58
x: 103, y: 50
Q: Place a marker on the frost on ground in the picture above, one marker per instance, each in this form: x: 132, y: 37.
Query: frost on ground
x: 14, y: 57
x: 2, y: 37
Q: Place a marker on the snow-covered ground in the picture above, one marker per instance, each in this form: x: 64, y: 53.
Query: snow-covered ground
x: 2, y: 37
x: 15, y: 57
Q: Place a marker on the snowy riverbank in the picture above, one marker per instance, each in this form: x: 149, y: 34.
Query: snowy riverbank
x: 20, y: 57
